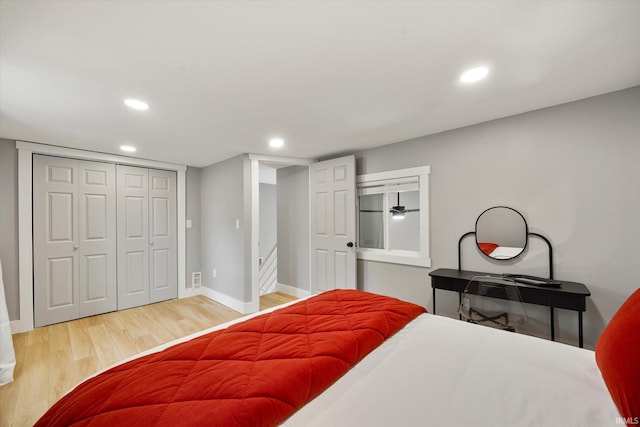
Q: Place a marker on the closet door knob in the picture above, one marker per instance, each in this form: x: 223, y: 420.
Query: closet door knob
x: 75, y: 247
x: 151, y: 243
x: 350, y: 244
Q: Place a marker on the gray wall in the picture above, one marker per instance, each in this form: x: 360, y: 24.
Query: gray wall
x: 193, y: 213
x: 9, y: 225
x: 293, y: 226
x: 222, y: 188
x: 571, y: 170
x: 268, y: 219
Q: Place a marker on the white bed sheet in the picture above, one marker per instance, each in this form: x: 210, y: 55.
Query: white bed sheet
x: 439, y: 371
x: 505, y: 252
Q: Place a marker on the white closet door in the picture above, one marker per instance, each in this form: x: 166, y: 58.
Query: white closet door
x: 97, y: 237
x: 133, y: 236
x: 55, y: 239
x: 163, y: 257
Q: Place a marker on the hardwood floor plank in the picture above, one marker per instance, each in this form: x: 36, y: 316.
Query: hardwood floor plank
x: 274, y: 299
x: 29, y: 413
x: 189, y: 327
x: 145, y: 342
x: 128, y: 319
x: 61, y: 375
x: 165, y: 317
x: 60, y: 364
x: 105, y: 347
x: 58, y: 337
x: 38, y: 336
x: 9, y: 392
x: 53, y: 359
x: 82, y: 369
x: 150, y: 320
x: 34, y: 383
x: 124, y: 342
x: 81, y: 345
x: 8, y: 399
x: 113, y: 321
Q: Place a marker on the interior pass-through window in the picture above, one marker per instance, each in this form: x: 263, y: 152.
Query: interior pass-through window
x: 393, y: 216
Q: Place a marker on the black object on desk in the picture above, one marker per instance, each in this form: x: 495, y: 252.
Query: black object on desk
x: 569, y: 295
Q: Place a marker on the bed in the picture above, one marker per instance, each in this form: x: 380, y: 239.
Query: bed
x: 496, y: 251
x: 395, y: 364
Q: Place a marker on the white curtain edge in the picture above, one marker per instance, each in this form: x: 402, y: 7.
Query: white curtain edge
x: 7, y: 354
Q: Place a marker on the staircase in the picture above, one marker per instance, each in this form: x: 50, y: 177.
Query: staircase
x: 269, y: 272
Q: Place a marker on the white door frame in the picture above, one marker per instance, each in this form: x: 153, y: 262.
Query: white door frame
x: 25, y: 219
x: 252, y: 270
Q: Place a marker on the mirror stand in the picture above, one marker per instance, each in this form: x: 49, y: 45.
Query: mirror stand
x: 470, y: 233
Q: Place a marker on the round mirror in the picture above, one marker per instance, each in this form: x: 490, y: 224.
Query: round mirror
x: 501, y: 233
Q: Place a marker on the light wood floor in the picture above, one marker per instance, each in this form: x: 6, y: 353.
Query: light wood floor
x: 53, y: 359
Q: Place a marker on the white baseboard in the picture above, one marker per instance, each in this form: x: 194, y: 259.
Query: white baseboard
x: 19, y: 326
x: 292, y: 290
x: 232, y: 303
x: 189, y: 292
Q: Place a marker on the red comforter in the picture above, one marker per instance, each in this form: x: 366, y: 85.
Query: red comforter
x: 254, y: 373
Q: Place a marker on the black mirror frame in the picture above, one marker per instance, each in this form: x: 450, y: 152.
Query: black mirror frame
x: 526, y: 234
x: 469, y: 233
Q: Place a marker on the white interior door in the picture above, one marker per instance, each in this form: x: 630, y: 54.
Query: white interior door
x: 97, y: 237
x: 133, y: 236
x: 55, y: 240
x: 163, y: 240
x: 332, y: 209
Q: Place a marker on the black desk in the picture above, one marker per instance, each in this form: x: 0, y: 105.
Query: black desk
x: 569, y: 296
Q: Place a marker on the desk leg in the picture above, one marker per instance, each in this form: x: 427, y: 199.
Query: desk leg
x: 459, y: 302
x: 553, y: 329
x: 434, y: 300
x: 581, y: 338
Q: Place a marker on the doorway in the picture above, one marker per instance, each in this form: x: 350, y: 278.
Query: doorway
x: 280, y: 226
x: 268, y: 234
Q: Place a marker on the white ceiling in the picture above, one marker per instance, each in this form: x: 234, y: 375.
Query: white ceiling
x: 223, y: 77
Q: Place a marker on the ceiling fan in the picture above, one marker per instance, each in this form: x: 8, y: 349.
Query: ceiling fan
x: 398, y: 211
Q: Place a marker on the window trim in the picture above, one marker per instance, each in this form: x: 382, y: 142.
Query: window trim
x: 419, y: 258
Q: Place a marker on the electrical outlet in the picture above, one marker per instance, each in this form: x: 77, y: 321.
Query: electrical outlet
x: 215, y: 273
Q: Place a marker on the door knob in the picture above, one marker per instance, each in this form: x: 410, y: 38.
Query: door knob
x: 350, y: 244
x: 151, y: 243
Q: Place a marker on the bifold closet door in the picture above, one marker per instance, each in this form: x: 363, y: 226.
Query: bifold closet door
x: 163, y: 244
x: 74, y: 244
x: 97, y: 235
x: 147, y: 236
x: 133, y: 237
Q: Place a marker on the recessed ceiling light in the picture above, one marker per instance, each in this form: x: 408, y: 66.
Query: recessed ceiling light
x: 276, y: 142
x: 473, y: 75
x: 136, y: 104
x: 128, y: 148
